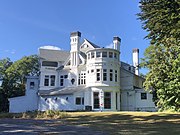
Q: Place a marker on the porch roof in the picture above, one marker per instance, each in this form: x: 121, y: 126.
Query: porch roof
x: 61, y: 91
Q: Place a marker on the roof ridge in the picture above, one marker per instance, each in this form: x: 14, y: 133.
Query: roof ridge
x: 94, y: 45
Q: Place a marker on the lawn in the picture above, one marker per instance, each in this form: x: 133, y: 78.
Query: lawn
x: 125, y: 123
x: 113, y: 123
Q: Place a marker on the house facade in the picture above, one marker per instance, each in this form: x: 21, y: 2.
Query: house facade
x: 87, y: 77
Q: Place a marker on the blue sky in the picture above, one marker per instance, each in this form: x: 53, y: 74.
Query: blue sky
x: 25, y: 25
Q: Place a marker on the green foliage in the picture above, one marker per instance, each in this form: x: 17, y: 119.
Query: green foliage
x: 162, y: 20
x: 13, y: 75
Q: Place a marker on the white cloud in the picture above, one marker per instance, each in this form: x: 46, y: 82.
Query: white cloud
x: 49, y: 47
x: 10, y: 51
x: 110, y: 46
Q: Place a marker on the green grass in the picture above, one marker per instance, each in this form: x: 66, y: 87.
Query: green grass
x: 128, y: 123
x: 114, y: 123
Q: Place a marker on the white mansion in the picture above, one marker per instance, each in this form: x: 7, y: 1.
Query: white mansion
x: 86, y: 78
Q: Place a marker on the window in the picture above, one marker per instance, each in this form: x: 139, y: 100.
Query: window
x: 49, y: 64
x: 88, y: 55
x: 52, y: 80
x: 111, y: 75
x: 104, y: 54
x: 96, y: 100
x: 49, y: 80
x: 98, y: 74
x: 31, y: 85
x: 143, y: 96
x: 82, y: 78
x: 72, y: 81
x: 110, y: 54
x: 92, y: 54
x: 61, y: 80
x: 104, y: 75
x: 82, y: 100
x: 92, y: 70
x: 79, y: 79
x: 46, y: 80
x: 107, y: 100
x: 115, y: 55
x: 115, y: 75
x: 85, y: 46
x: 65, y: 76
x: 79, y: 100
x: 98, y: 54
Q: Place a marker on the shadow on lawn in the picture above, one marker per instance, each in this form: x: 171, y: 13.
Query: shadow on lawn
x: 123, y: 123
x: 42, y: 127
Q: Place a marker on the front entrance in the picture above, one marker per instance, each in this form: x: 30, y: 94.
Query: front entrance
x: 96, y: 100
x: 107, y: 100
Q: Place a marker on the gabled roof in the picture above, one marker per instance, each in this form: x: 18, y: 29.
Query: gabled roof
x: 53, y: 55
x: 94, y: 45
x: 86, y: 45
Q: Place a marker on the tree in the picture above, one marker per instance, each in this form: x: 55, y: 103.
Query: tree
x: 4, y: 65
x: 14, y: 77
x: 161, y: 19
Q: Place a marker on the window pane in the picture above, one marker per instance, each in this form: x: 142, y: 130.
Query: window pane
x: 52, y: 80
x: 98, y: 54
x: 82, y: 101
x: 115, y: 55
x: 96, y: 100
x: 110, y: 54
x: 115, y: 75
x: 78, y: 101
x: 65, y: 76
x: 104, y: 74
x: 88, y: 55
x: 143, y: 95
x: 92, y: 55
x: 107, y: 100
x: 104, y: 54
x: 61, y: 82
x: 111, y: 75
x: 98, y: 76
x: 46, y: 80
x: 32, y: 84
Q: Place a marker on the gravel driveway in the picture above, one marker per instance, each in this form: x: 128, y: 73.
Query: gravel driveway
x: 42, y: 127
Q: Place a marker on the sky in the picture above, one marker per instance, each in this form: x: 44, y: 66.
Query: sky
x: 26, y: 25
